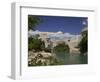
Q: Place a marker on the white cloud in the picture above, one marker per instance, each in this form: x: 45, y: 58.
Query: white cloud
x: 57, y: 35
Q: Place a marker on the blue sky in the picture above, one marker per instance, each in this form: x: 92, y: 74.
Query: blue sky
x: 72, y: 25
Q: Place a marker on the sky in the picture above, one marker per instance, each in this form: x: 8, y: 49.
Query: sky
x: 72, y: 25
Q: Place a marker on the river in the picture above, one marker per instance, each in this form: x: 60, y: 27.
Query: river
x: 68, y: 59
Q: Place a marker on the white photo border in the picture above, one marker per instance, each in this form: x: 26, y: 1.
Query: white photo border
x: 19, y: 71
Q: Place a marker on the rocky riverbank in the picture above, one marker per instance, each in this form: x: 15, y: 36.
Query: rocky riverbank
x: 41, y: 58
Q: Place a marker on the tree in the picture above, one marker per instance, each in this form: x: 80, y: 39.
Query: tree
x: 83, y: 45
x: 35, y: 44
x: 62, y: 47
x: 32, y: 22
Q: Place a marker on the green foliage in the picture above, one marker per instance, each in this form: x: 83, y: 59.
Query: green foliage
x: 62, y: 47
x: 84, y: 33
x: 83, y: 43
x: 32, y: 22
x: 35, y: 44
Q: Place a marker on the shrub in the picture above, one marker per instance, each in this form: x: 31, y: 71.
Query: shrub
x: 62, y: 47
x: 36, y: 44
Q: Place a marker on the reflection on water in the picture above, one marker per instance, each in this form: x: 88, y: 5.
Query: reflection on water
x: 74, y: 58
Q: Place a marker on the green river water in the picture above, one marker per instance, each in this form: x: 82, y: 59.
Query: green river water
x: 74, y: 58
